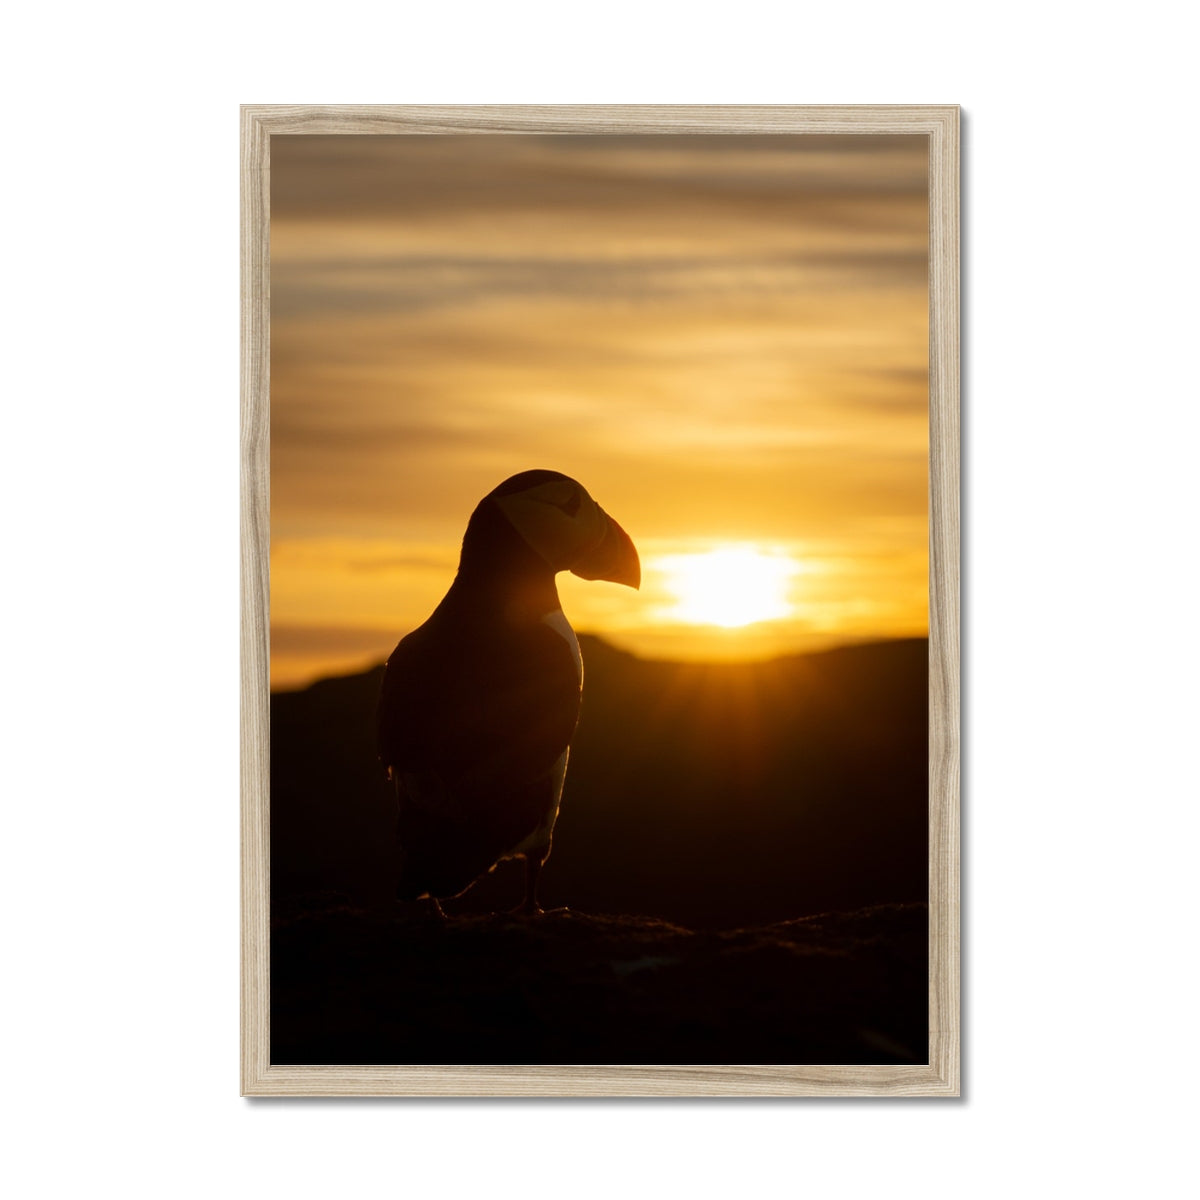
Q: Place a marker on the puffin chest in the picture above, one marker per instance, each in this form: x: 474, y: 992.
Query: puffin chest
x: 559, y: 623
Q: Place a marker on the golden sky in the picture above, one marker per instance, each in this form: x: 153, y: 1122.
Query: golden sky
x: 724, y: 339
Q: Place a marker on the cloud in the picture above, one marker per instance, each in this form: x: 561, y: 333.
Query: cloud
x: 718, y: 336
x: 356, y: 178
x: 329, y: 639
x: 349, y: 283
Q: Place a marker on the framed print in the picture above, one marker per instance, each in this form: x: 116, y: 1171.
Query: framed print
x: 600, y: 601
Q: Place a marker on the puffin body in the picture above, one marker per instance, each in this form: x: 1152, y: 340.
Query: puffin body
x: 478, y: 705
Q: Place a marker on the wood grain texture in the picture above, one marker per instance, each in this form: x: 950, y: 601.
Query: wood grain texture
x: 940, y: 124
x: 255, y: 592
x: 944, y: 535
x: 591, y: 118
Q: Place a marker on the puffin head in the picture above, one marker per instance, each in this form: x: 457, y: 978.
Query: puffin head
x: 557, y: 519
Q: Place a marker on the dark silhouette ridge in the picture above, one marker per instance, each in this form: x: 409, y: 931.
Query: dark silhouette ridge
x: 569, y: 988
x: 714, y: 795
x: 729, y: 799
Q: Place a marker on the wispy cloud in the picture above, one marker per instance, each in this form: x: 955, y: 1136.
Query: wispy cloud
x: 723, y: 337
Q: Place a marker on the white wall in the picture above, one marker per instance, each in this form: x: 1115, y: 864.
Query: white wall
x: 120, y: 769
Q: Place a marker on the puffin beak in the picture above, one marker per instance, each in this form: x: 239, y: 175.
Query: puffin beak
x: 613, y: 558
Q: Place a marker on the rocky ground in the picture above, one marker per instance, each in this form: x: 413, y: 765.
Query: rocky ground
x: 351, y: 987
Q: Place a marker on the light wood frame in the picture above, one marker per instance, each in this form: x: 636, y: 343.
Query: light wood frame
x: 941, y: 1076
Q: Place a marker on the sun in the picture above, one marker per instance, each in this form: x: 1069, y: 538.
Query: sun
x: 730, y: 586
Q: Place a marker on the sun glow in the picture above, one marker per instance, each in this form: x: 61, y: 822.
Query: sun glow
x: 730, y: 586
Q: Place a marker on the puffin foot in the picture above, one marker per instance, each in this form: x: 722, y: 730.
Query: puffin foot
x: 427, y: 908
x: 536, y: 910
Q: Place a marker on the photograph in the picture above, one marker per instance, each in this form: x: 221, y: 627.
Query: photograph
x: 617, y: 568
x: 599, y: 598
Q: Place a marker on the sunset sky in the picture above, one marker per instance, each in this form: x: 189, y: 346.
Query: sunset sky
x: 724, y: 339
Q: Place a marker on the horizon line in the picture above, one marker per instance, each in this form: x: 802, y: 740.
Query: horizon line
x: 851, y: 644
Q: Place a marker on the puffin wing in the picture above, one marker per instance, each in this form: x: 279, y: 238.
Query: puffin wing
x: 473, y: 724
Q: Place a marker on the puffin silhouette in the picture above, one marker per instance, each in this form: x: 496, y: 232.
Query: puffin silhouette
x: 478, y: 705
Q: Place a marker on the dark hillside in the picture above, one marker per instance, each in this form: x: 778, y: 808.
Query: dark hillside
x: 707, y: 808
x: 709, y: 795
x: 570, y: 988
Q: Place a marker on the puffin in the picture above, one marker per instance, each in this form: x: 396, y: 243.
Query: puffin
x: 478, y: 705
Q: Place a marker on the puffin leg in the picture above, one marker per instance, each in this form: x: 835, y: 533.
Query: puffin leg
x: 529, y: 907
